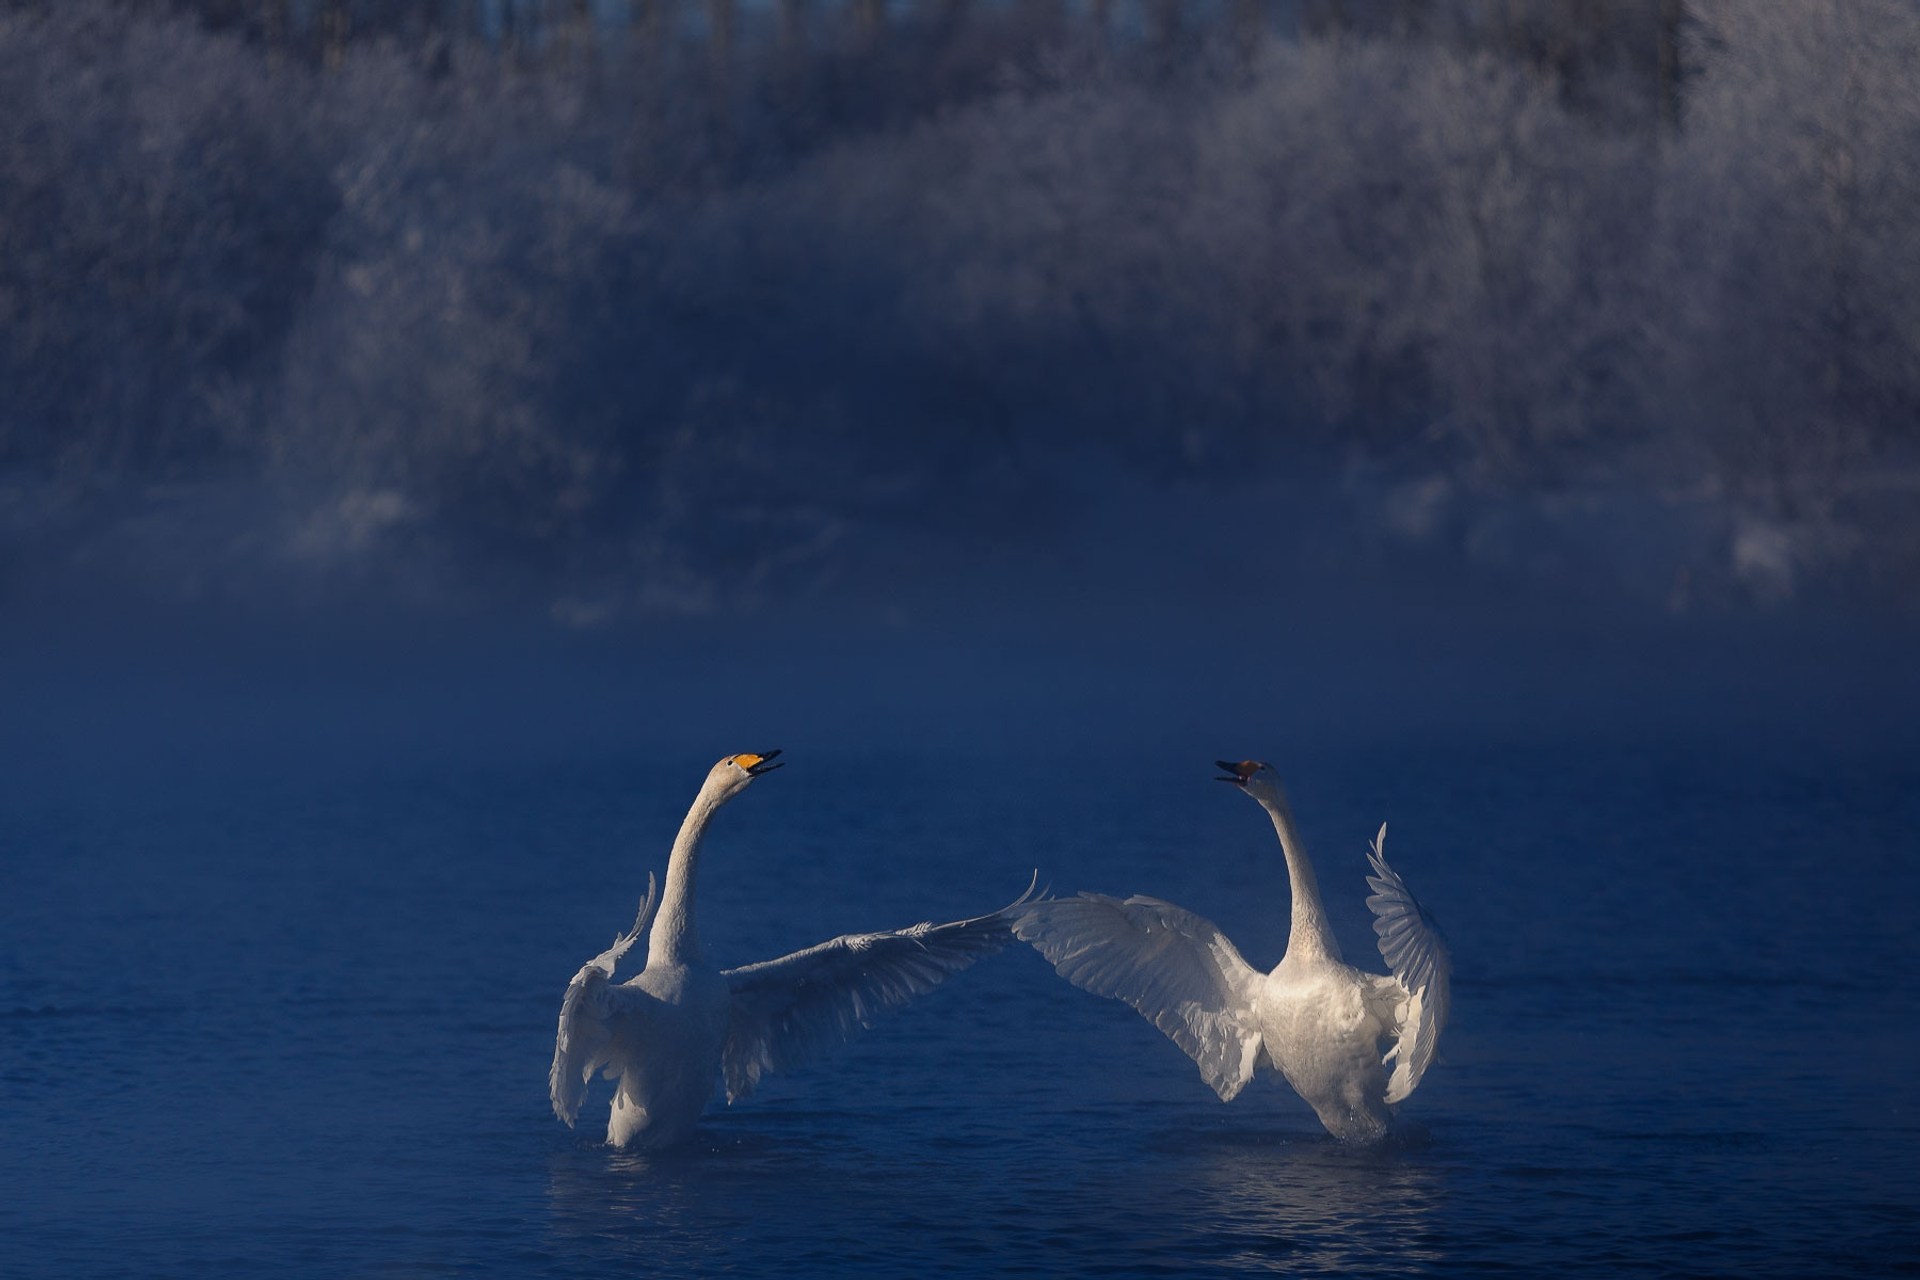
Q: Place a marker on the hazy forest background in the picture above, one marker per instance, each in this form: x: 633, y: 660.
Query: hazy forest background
x: 601, y: 311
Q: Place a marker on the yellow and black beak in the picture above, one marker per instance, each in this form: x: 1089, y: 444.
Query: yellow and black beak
x: 1237, y: 774
x: 756, y: 764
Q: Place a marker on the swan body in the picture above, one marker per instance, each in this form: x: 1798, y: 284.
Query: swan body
x: 1353, y: 1044
x: 669, y: 1032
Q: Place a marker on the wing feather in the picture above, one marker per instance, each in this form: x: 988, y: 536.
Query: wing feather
x: 1414, y: 949
x: 786, y: 1011
x: 580, y: 1044
x: 1173, y: 967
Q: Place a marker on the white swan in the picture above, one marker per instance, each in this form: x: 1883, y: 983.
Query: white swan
x: 668, y: 1032
x: 1320, y: 1023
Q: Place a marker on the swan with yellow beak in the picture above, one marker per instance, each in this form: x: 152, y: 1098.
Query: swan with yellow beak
x: 669, y: 1032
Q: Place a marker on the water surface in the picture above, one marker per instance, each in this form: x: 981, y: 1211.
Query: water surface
x: 291, y: 1013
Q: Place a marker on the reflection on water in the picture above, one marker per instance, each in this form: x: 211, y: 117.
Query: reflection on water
x: 763, y: 1198
x: 1072, y: 1195
x: 1162, y: 1179
x: 601, y: 1200
x: 1315, y: 1205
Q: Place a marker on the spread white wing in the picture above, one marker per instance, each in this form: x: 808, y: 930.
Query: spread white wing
x: 787, y: 1010
x: 580, y: 1046
x: 1176, y: 968
x: 1412, y: 946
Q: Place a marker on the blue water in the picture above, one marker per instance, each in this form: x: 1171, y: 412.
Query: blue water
x: 287, y: 1010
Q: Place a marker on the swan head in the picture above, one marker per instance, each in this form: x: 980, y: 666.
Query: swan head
x: 1255, y: 777
x: 731, y: 776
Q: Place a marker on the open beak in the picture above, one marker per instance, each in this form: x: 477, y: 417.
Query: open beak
x: 1237, y: 774
x: 760, y: 765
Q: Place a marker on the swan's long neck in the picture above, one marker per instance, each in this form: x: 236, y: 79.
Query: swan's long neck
x: 674, y: 939
x: 1309, y: 936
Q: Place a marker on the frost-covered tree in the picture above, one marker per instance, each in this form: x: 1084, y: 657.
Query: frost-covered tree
x: 658, y: 318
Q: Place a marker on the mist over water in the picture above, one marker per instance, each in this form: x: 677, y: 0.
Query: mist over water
x: 598, y: 326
